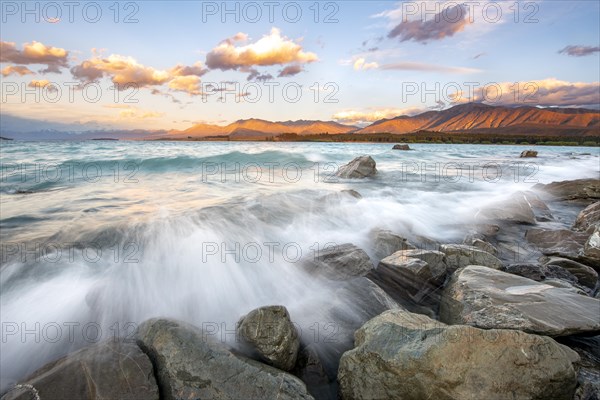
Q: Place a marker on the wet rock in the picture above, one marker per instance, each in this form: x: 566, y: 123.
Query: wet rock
x: 270, y: 332
x: 591, y: 249
x: 514, y: 209
x: 491, y: 299
x: 587, y: 190
x: 482, y: 245
x: 108, y: 370
x: 402, y: 146
x: 540, y: 209
x: 588, y: 217
x: 585, y: 275
x: 311, y: 371
x: 190, y: 364
x: 459, y: 255
x: 386, y: 243
x: 564, y: 243
x: 338, y: 262
x: 535, y: 272
x: 528, y: 154
x: 360, y: 167
x: 399, y: 355
x: 588, y: 377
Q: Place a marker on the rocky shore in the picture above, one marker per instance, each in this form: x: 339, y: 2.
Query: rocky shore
x: 469, y: 320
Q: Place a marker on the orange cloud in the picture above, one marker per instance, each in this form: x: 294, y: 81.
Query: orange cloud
x: 354, y: 117
x: 271, y: 49
x: 183, y: 70
x: 35, y: 53
x: 17, y: 70
x: 361, y: 64
x: 42, y: 84
x: 188, y: 83
x: 135, y: 113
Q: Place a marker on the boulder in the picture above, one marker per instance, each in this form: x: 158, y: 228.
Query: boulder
x: 591, y: 249
x: 534, y: 272
x: 514, y: 209
x: 565, y: 243
x: 460, y: 255
x: 386, y: 243
x: 540, y: 209
x: 402, y: 146
x: 191, y: 364
x: 482, y: 245
x: 586, y: 190
x: 588, y: 377
x: 311, y: 371
x: 585, y: 275
x: 108, y: 370
x: 338, y: 262
x: 588, y: 217
x: 271, y: 333
x: 399, y: 355
x: 492, y: 299
x: 360, y: 167
x: 528, y: 154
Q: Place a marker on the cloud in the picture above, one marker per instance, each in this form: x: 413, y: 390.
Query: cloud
x: 579, y: 51
x: 479, y: 55
x: 545, y: 92
x: 416, y: 66
x: 362, y: 118
x: 272, y: 49
x: 290, y: 70
x: 42, y: 84
x: 17, y: 70
x: 446, y: 23
x: 187, y: 83
x: 361, y: 64
x: 35, y: 53
x: 257, y: 76
x: 183, y: 70
x: 130, y: 112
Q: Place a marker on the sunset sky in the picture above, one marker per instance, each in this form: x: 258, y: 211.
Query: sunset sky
x: 371, y: 60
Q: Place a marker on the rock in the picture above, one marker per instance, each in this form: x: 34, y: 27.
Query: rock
x: 591, y: 249
x: 528, y: 154
x: 270, y: 332
x: 108, y: 370
x: 588, y: 378
x: 534, y: 272
x: 459, y: 255
x: 540, y: 209
x: 402, y: 146
x: 564, y: 243
x: 585, y: 275
x: 339, y: 262
x: 588, y: 217
x: 360, y: 167
x: 482, y: 245
x: 399, y: 355
x: 386, y: 243
x: 190, y: 364
x: 412, y: 277
x: 311, y: 371
x: 491, y: 299
x: 555, y: 275
x: 514, y: 209
x: 587, y: 190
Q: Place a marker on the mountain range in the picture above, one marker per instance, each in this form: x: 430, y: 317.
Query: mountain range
x: 465, y: 118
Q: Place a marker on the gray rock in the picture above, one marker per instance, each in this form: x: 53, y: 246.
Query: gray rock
x: 540, y: 209
x: 360, y: 167
x: 269, y: 330
x: 339, y: 262
x: 535, y: 272
x: 588, y: 378
x: 399, y: 355
x: 311, y: 371
x: 528, y: 154
x: 483, y: 245
x: 587, y: 190
x: 108, y: 370
x: 189, y: 364
x: 564, y: 243
x: 459, y: 255
x: 588, y: 217
x: 491, y: 299
x: 585, y: 275
x: 402, y: 146
x: 386, y: 243
x: 514, y: 209
x: 591, y: 249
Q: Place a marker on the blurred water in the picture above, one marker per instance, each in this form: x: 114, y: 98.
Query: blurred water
x: 109, y: 234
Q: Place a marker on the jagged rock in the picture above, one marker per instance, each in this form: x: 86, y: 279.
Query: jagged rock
x: 591, y: 249
x: 360, y: 167
x: 514, y: 209
x: 540, y: 209
x: 482, y: 245
x: 459, y: 255
x: 270, y: 332
x: 339, y: 262
x: 399, y: 355
x: 191, y: 364
x: 588, y: 217
x: 528, y: 154
x: 386, y: 243
x: 491, y: 299
x: 585, y: 275
x: 587, y: 190
x: 564, y: 243
x: 402, y: 146
x: 535, y: 272
x: 108, y: 370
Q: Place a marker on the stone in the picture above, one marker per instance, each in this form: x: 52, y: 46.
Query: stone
x: 492, y: 299
x: 107, y: 370
x: 514, y: 209
x: 588, y: 217
x: 339, y: 262
x: 528, y: 154
x: 586, y: 190
x: 535, y: 272
x: 540, y: 209
x: 591, y: 249
x: 585, y: 275
x: 191, y: 364
x: 459, y: 255
x: 271, y: 333
x: 311, y: 371
x: 400, y: 355
x: 483, y: 245
x: 360, y: 167
x: 566, y: 244
x: 386, y: 242
x: 401, y: 146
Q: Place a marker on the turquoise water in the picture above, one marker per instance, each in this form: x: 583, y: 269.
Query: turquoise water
x: 112, y: 233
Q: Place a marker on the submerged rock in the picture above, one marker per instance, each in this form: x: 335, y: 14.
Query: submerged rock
x: 108, y: 370
x: 360, y: 167
x: 491, y: 299
x: 270, y: 332
x: 528, y: 154
x: 460, y: 255
x: 339, y: 262
x: 399, y: 355
x: 189, y: 364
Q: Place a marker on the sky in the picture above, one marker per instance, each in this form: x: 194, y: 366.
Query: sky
x: 170, y: 65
